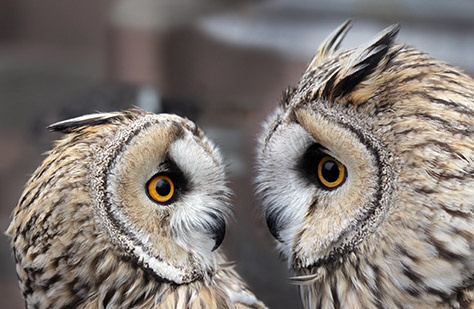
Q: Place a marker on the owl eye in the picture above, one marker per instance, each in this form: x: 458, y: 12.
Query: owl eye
x: 160, y: 188
x: 331, y: 173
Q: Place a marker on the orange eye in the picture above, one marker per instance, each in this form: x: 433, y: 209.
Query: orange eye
x: 160, y: 188
x: 331, y: 173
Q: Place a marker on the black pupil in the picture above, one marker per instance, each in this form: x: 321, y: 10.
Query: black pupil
x: 330, y: 171
x: 163, y: 187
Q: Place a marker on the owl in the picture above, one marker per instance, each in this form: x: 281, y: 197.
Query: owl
x: 127, y: 211
x: 366, y: 175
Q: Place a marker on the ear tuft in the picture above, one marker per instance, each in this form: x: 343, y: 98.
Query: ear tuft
x: 365, y: 60
x: 71, y: 125
x: 330, y: 44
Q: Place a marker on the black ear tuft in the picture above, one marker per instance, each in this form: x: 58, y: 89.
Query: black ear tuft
x: 70, y: 125
x: 330, y: 44
x: 365, y: 60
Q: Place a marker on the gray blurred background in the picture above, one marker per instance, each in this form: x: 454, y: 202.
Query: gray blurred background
x: 221, y: 63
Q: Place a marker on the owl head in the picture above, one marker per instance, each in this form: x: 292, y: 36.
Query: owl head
x: 370, y: 152
x: 149, y: 188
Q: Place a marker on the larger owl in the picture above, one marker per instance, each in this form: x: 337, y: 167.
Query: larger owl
x: 127, y: 211
x: 366, y: 173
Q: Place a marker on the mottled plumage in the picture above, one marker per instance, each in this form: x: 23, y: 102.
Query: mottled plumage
x: 366, y: 173
x: 90, y: 232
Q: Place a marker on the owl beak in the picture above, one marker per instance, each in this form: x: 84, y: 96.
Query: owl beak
x: 219, y: 237
x: 271, y: 218
x: 218, y: 232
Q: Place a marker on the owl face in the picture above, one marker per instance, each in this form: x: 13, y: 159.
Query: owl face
x: 158, y: 186
x: 319, y: 181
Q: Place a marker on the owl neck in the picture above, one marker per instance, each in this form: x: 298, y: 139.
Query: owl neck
x: 133, y: 287
x: 128, y: 285
x: 352, y: 281
x: 383, y: 272
x: 105, y: 279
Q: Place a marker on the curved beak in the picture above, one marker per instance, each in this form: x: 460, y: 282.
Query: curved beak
x: 272, y: 223
x: 218, y: 232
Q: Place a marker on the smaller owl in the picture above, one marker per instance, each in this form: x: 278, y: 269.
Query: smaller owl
x: 366, y: 172
x: 127, y: 210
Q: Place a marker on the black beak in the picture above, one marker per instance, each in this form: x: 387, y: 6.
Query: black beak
x: 218, y: 232
x: 272, y: 224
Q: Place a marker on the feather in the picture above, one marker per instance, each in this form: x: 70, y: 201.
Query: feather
x: 70, y: 125
x: 304, y: 279
x: 330, y: 44
x: 364, y: 61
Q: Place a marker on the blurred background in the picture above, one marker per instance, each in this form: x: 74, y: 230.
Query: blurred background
x: 221, y: 63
